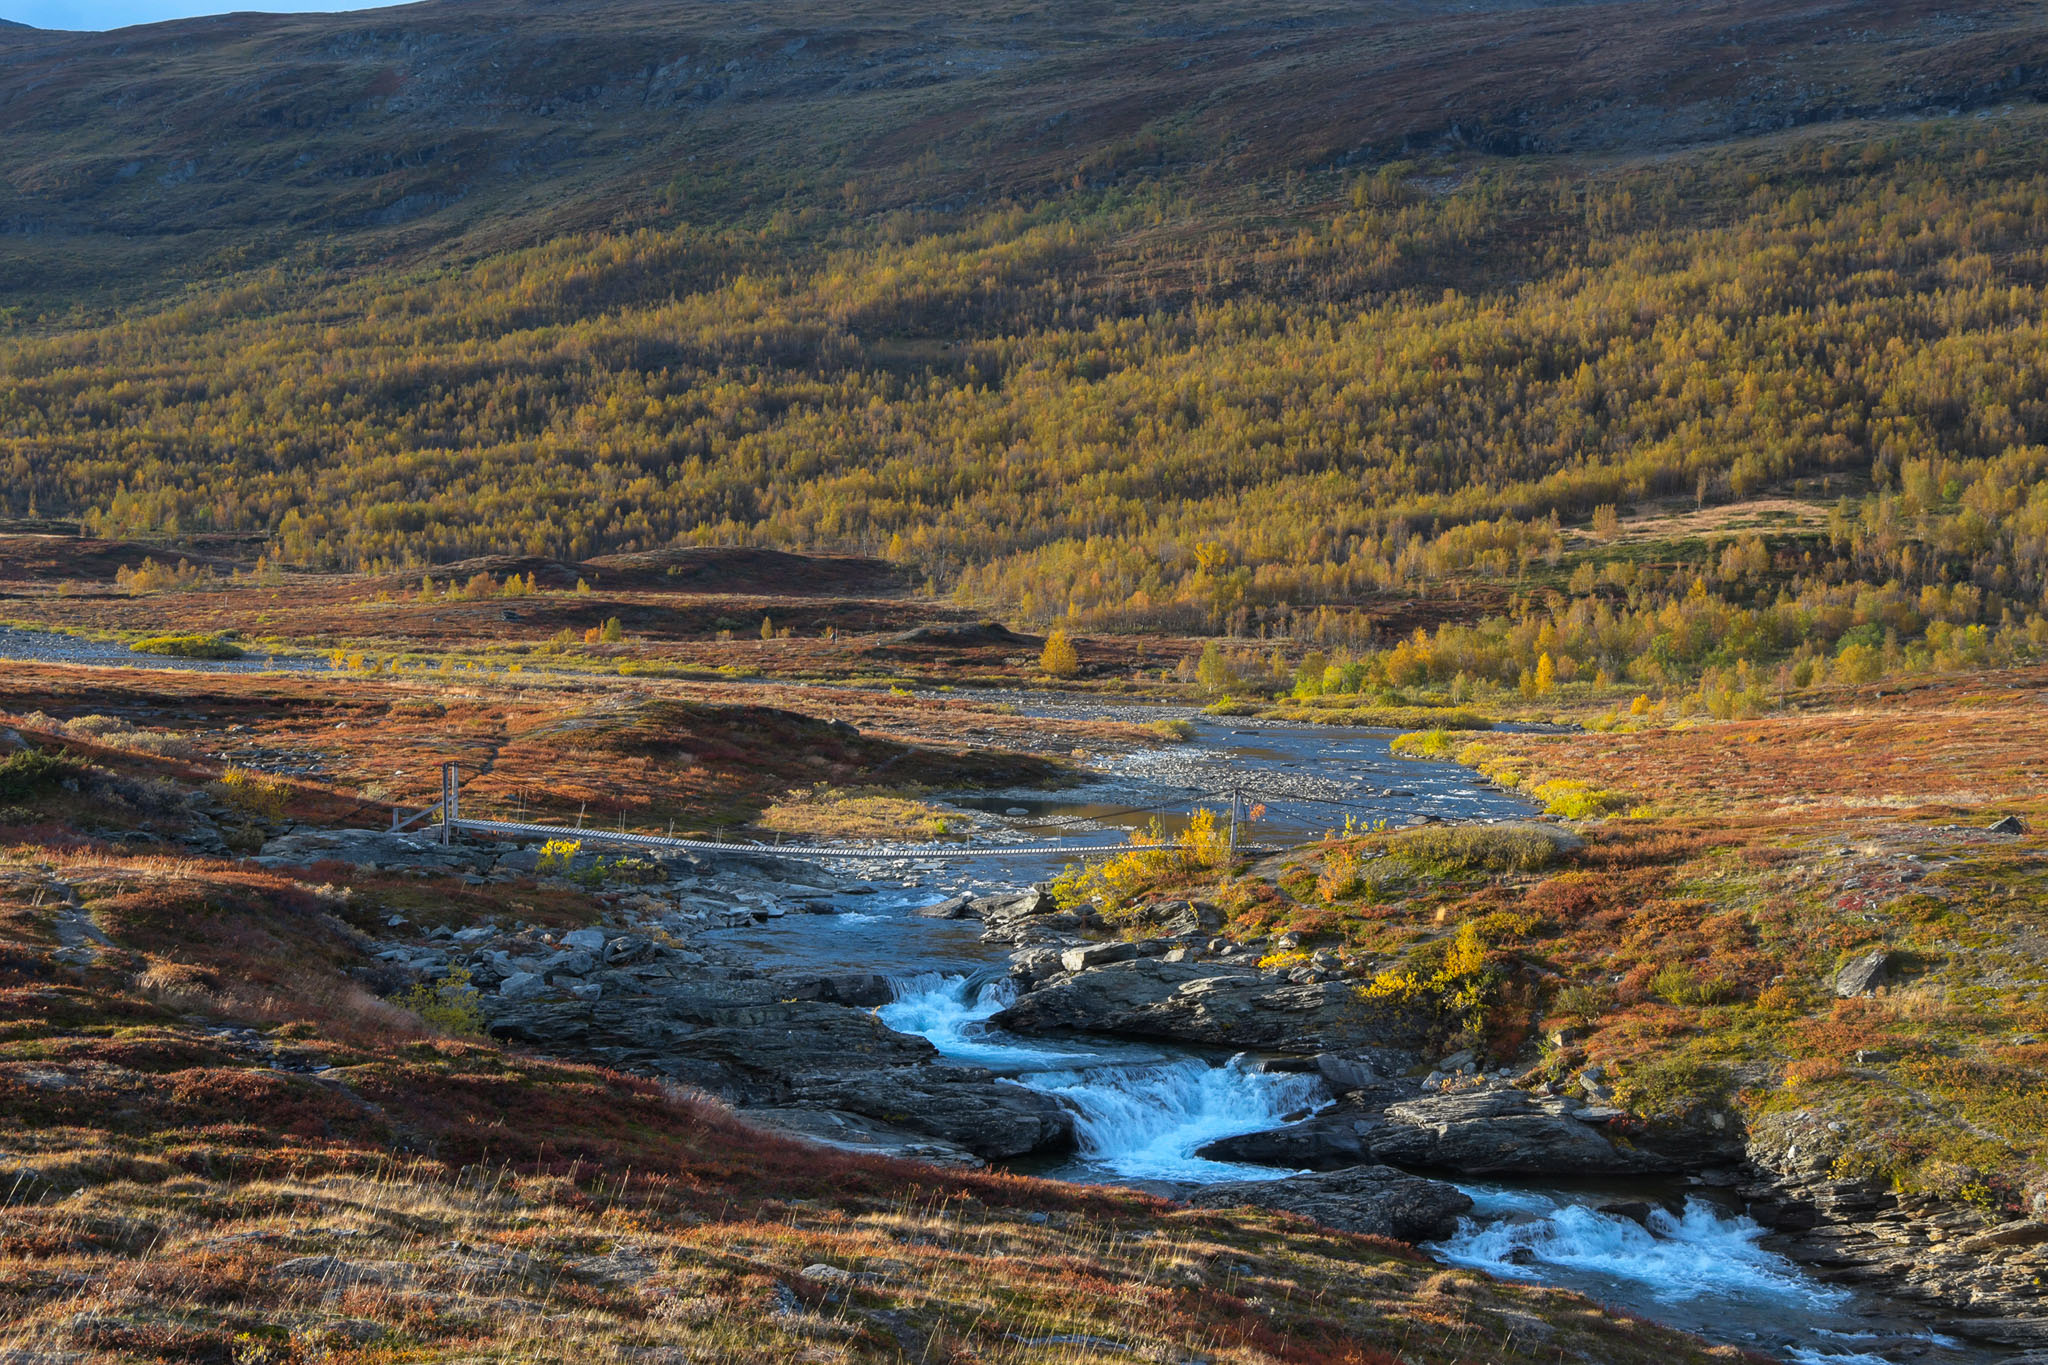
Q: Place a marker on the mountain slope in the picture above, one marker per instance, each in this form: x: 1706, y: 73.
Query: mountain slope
x: 216, y: 142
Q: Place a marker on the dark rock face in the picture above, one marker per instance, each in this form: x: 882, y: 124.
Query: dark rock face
x: 1985, y: 1271
x: 1864, y: 973
x: 1340, y: 1136
x: 962, y: 1104
x: 1376, y: 1200
x: 1503, y: 1132
x: 748, y: 1041
x: 1208, y: 1003
x: 1479, y: 1132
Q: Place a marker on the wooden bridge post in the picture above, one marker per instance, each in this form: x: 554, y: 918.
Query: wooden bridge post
x: 449, y: 814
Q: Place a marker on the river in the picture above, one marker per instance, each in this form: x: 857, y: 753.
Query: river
x: 1144, y: 1109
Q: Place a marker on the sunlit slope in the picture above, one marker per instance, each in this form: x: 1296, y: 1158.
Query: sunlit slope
x: 198, y: 146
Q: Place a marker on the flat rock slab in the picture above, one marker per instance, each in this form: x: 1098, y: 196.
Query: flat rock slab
x: 1481, y: 1132
x: 1201, y: 1002
x: 374, y: 849
x: 1377, y: 1200
x: 848, y: 1132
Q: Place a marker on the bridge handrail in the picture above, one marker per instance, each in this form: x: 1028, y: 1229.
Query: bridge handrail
x: 947, y: 852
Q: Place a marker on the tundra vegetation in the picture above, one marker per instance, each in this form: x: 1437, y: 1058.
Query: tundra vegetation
x: 225, y: 1142
x: 1428, y: 371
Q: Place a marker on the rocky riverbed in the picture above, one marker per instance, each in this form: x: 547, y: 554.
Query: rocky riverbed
x: 675, y: 983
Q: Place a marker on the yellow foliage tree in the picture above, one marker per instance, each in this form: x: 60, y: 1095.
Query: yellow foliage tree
x: 1059, y: 659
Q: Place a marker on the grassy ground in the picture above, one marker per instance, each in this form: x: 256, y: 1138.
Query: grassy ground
x: 644, y: 751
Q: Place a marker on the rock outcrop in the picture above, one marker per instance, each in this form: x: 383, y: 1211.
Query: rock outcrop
x: 1492, y: 1131
x: 1208, y: 1003
x: 1864, y: 973
x: 1983, y: 1271
x: 1377, y: 1200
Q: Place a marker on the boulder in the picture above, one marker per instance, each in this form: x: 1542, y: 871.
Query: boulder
x: 584, y: 940
x: 953, y: 907
x: 1347, y: 1072
x: 1339, y: 1136
x: 1208, y: 1002
x: 1864, y: 973
x: 1481, y: 1132
x: 628, y: 949
x: 965, y: 1105
x: 1376, y: 1200
x: 1030, y: 917
x: 864, y: 990
x: 1032, y: 965
x: 1096, y: 955
x: 2011, y: 824
x: 578, y: 963
x: 1503, y: 1132
x: 1179, y: 919
x: 522, y: 986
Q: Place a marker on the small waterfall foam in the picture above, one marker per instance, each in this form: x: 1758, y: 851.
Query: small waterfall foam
x: 953, y: 1011
x: 1138, y: 1115
x: 1702, y: 1251
x: 1146, y: 1122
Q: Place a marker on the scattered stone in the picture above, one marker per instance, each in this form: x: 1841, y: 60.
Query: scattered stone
x: 625, y: 1265
x: 342, y: 1332
x: 338, y: 1273
x: 1096, y: 955
x: 1864, y: 973
x: 522, y: 986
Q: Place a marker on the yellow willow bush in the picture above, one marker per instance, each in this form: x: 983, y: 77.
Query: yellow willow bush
x: 1113, y: 884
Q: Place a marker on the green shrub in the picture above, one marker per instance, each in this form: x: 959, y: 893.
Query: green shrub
x: 1681, y: 985
x: 1584, y: 1005
x: 187, y: 647
x: 1478, y: 848
x: 1434, y: 744
x: 1575, y: 800
x: 451, y: 1004
x: 1670, y: 1085
x: 1325, y: 712
x: 253, y: 793
x: 32, y: 771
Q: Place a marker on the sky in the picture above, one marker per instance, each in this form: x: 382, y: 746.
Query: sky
x: 99, y: 14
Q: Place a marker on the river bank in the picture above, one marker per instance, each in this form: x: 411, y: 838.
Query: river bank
x: 949, y: 1040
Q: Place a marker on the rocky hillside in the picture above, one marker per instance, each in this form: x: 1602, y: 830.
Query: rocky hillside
x: 222, y: 142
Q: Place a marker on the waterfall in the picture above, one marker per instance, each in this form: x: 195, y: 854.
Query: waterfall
x: 1139, y: 1114
x: 1146, y: 1122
